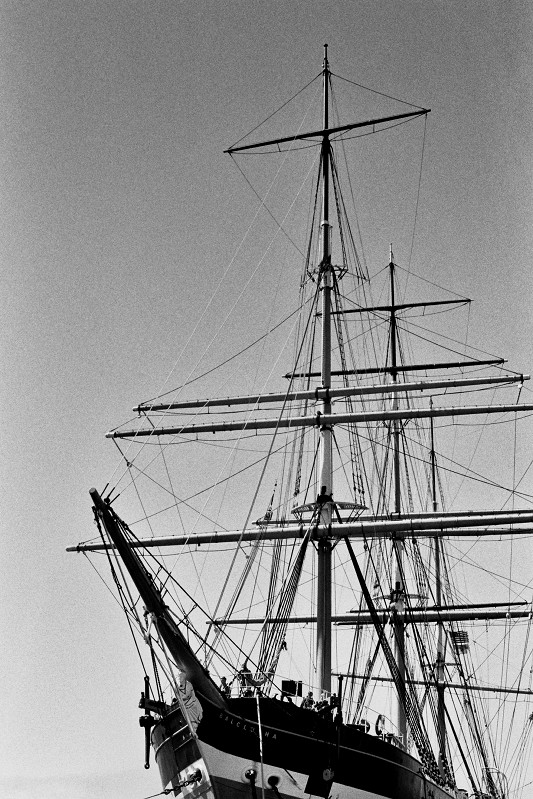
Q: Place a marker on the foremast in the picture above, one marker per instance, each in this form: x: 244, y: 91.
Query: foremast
x: 324, y: 510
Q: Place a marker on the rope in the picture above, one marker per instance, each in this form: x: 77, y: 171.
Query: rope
x: 274, y: 638
x: 375, y: 91
x: 417, y: 196
x: 260, y: 729
x: 408, y: 698
x: 266, y: 459
x: 276, y: 111
x: 120, y: 590
x: 196, y: 777
x: 267, y: 209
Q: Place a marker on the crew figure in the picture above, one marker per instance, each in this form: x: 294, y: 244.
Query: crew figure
x: 243, y: 677
x: 322, y: 706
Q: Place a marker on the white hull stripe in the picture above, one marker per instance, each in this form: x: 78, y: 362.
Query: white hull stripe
x: 231, y: 769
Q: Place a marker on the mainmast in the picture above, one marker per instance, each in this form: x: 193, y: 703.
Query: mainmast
x: 325, y: 496
x: 398, y: 590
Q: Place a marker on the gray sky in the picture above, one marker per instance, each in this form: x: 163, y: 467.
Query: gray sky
x: 117, y: 206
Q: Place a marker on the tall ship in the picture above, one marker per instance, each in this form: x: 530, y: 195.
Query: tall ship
x: 312, y: 555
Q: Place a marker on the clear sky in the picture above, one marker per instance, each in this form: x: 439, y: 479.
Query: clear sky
x: 117, y: 206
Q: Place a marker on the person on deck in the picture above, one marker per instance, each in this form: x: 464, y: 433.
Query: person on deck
x: 244, y: 677
x: 322, y: 706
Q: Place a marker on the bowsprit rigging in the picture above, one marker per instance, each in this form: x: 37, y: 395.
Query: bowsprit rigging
x: 298, y: 584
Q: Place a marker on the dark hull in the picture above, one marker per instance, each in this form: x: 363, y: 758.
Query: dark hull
x: 303, y: 755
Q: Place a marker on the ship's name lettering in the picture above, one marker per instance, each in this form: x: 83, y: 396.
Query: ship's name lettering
x: 240, y: 724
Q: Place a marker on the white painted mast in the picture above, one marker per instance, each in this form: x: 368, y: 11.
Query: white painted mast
x: 440, y: 659
x: 325, y: 496
x: 399, y: 588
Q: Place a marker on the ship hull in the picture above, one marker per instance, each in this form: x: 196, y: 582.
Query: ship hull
x: 291, y: 753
